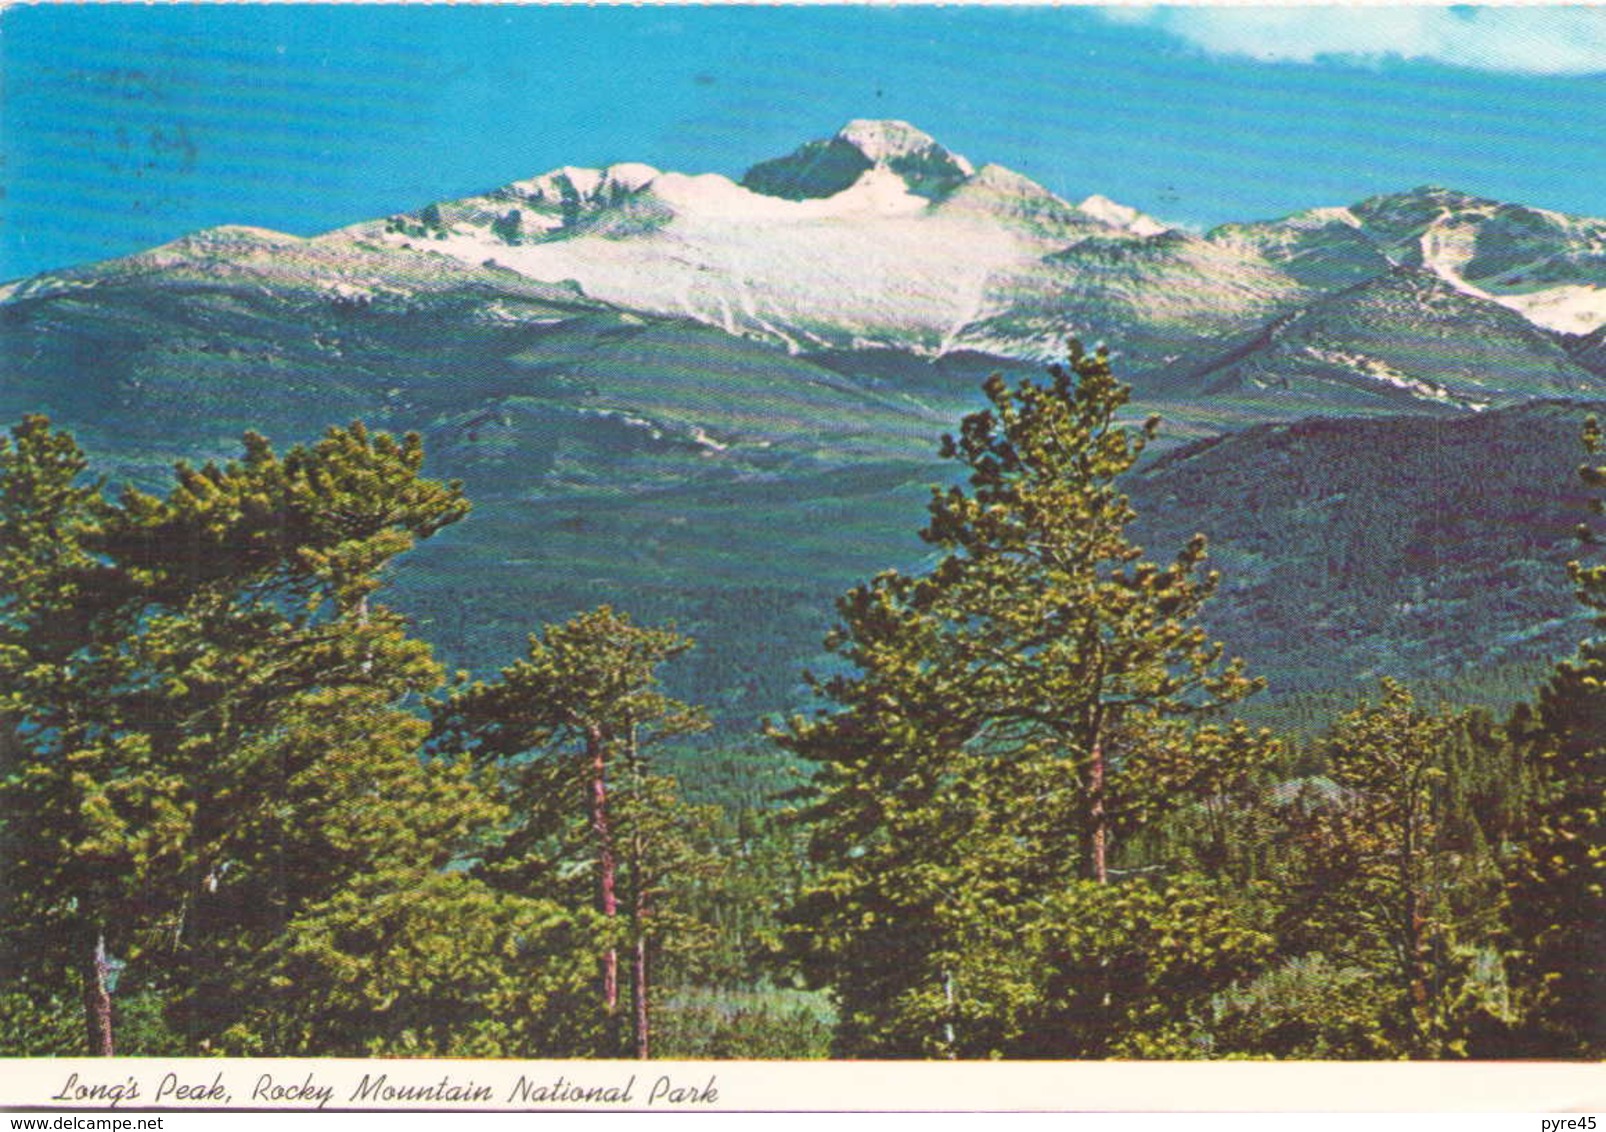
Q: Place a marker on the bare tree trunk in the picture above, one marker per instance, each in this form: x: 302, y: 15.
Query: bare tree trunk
x: 1095, y: 866
x: 643, y: 1018
x: 607, y: 879
x: 98, y: 1001
x: 1414, y: 924
x: 639, y: 908
x: 948, y: 1035
x: 1094, y: 728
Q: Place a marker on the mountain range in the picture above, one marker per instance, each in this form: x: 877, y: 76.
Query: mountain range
x: 719, y: 400
x: 881, y: 238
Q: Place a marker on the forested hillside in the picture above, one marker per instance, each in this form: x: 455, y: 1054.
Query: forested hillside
x: 1428, y: 549
x: 1019, y: 811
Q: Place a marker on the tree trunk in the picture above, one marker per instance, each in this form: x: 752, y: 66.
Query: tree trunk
x: 639, y: 986
x: 1414, y: 923
x: 98, y: 1001
x: 1095, y: 837
x: 639, y: 909
x: 607, y: 881
x: 948, y: 1035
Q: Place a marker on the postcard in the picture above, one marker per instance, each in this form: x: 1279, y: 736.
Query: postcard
x: 563, y: 558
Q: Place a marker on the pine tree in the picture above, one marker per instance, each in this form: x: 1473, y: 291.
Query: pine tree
x: 1382, y: 873
x: 1558, y: 878
x: 212, y: 743
x: 569, y: 727
x: 1391, y: 760
x: 48, y: 581
x: 1005, y: 714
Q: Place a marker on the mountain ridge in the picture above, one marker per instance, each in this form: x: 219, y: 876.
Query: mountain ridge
x: 734, y: 471
x: 878, y: 237
x: 1386, y: 305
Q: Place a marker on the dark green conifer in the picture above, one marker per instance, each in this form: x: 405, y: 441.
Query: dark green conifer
x: 212, y: 747
x: 1558, y: 878
x: 568, y: 728
x: 1005, y: 715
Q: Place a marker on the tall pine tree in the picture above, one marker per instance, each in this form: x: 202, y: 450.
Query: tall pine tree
x: 1006, y: 714
x: 568, y: 728
x: 212, y: 744
x: 1385, y: 875
x: 56, y: 905
x: 1558, y: 878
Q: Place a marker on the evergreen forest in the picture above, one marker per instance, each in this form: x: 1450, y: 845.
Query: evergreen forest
x: 1030, y: 809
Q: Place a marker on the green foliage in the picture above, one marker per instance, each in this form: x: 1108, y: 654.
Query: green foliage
x: 568, y: 729
x: 1006, y: 714
x: 73, y: 864
x: 195, y: 757
x: 1308, y: 1008
x: 1368, y: 847
x: 1389, y: 872
x: 43, y: 1024
x: 46, y: 514
x: 1134, y: 966
x: 426, y: 964
x: 593, y: 677
x: 764, y: 866
x: 1558, y: 877
x: 50, y: 1023
x: 227, y: 828
x: 749, y: 1025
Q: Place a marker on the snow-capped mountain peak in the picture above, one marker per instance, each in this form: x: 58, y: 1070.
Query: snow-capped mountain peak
x: 1547, y: 266
x: 890, y: 142
x: 1121, y: 216
x: 879, y: 236
x: 825, y: 167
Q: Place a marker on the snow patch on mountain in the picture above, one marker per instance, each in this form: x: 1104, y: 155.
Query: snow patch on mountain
x: 811, y: 270
x: 886, y: 259
x: 710, y: 197
x: 1571, y: 308
x: 886, y: 141
x: 1322, y: 217
x: 1374, y: 369
x: 1121, y: 216
x: 1547, y: 266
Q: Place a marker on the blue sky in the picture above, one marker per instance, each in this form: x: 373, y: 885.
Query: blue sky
x: 127, y: 125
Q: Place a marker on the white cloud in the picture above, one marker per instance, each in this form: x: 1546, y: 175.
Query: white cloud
x: 1542, y: 40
